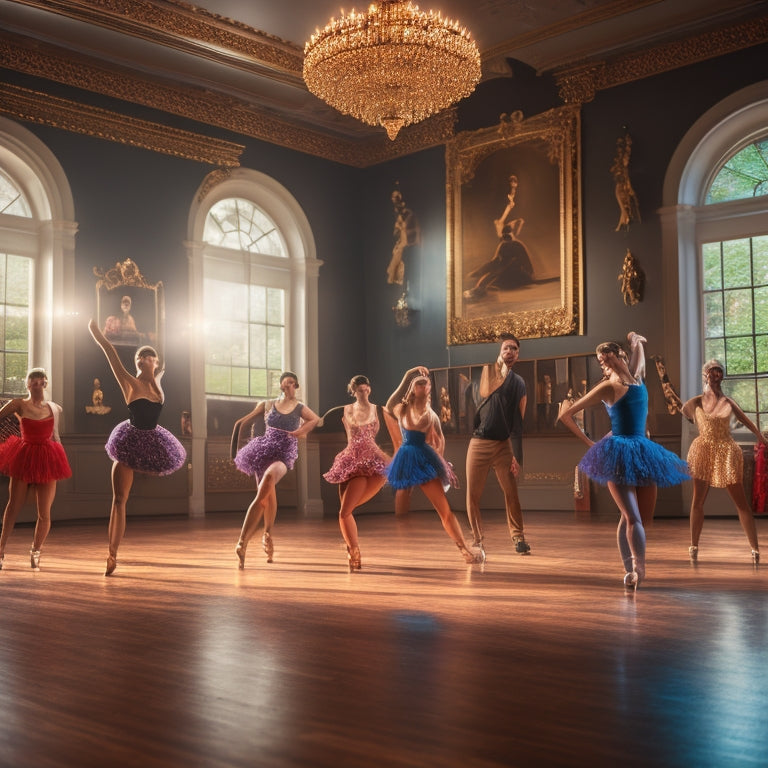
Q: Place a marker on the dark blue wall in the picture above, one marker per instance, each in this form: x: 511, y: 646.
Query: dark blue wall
x: 134, y: 203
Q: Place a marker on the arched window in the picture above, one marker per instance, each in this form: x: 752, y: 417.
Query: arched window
x: 36, y: 265
x: 719, y: 221
x: 15, y: 293
x: 253, y: 294
x: 246, y: 290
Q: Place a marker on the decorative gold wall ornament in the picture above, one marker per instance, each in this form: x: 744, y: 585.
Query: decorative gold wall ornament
x: 629, y: 208
x: 671, y: 398
x: 393, y: 65
x: 632, y: 280
x: 41, y: 108
x: 536, y: 284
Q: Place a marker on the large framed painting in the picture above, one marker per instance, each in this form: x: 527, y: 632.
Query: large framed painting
x: 514, y: 229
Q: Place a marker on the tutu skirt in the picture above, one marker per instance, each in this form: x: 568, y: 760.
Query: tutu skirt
x: 361, y: 458
x: 633, y: 460
x: 415, y: 465
x: 274, y: 445
x: 34, y: 462
x: 152, y: 451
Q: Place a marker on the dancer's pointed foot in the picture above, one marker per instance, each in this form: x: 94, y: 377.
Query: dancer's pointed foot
x: 111, y: 565
x: 34, y: 559
x: 240, y: 552
x: 355, y: 562
x: 755, y: 557
x: 268, y: 544
x: 693, y: 553
x: 631, y: 581
x: 470, y: 557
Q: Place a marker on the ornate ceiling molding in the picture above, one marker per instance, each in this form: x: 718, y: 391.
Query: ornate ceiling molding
x: 43, y: 109
x: 184, y: 27
x: 52, y: 63
x: 579, y: 84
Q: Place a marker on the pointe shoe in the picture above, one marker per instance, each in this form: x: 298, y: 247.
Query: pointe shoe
x: 240, y: 552
x: 755, y: 557
x: 636, y: 575
x: 469, y: 557
x: 631, y: 581
x: 269, y: 546
x: 2, y: 557
x: 355, y: 563
x: 111, y: 565
x: 693, y: 553
x: 34, y: 559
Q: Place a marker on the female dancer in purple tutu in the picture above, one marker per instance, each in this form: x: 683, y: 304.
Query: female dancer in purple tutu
x: 270, y: 456
x: 360, y: 469
x: 36, y: 459
x: 417, y: 462
x: 138, y: 444
x: 625, y: 459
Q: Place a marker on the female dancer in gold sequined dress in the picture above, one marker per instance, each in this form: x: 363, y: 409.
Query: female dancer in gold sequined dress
x: 714, y: 458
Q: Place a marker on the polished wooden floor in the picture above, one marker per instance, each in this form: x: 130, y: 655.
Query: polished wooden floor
x: 181, y: 659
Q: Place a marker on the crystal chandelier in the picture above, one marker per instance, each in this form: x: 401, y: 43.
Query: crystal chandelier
x: 392, y: 66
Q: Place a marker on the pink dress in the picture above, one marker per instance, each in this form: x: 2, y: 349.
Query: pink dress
x: 361, y: 458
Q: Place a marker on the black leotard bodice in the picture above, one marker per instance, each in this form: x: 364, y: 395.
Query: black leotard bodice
x: 144, y: 413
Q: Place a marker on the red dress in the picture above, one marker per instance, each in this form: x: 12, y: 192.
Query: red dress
x: 34, y: 457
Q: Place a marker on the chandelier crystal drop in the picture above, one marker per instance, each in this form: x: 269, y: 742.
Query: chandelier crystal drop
x: 391, y: 66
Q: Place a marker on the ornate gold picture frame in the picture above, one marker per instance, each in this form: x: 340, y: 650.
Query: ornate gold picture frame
x: 514, y: 229
x: 129, y: 310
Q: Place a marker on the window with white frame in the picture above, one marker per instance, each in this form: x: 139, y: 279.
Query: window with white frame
x: 734, y: 277
x: 246, y: 290
x: 16, y: 272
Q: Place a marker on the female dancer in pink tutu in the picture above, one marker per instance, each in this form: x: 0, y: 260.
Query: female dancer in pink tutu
x: 35, y: 459
x: 270, y: 456
x: 417, y: 462
x: 139, y: 444
x: 360, y: 469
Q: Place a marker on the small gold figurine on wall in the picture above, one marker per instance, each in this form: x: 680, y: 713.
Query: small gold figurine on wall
x: 407, y: 235
x: 672, y: 399
x: 629, y: 208
x: 97, y: 400
x: 632, y: 280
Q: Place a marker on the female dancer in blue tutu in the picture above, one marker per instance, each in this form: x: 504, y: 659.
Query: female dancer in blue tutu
x: 270, y: 456
x: 34, y: 460
x: 625, y: 459
x: 138, y: 444
x: 360, y: 469
x: 419, y: 460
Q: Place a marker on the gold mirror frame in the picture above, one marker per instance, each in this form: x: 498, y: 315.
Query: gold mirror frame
x: 545, y: 146
x: 144, y: 321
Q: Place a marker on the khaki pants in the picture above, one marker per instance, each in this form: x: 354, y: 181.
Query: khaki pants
x: 481, y: 456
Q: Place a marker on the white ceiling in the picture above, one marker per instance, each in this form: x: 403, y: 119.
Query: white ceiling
x: 543, y: 34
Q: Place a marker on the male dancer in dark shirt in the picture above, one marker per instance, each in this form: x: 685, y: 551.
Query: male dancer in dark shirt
x: 497, y: 442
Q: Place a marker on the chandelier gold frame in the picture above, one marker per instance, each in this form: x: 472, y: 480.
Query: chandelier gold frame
x: 393, y: 65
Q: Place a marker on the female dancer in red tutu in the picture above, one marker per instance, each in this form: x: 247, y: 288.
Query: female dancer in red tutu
x: 270, y: 456
x: 360, y: 469
x: 36, y: 458
x: 138, y: 444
